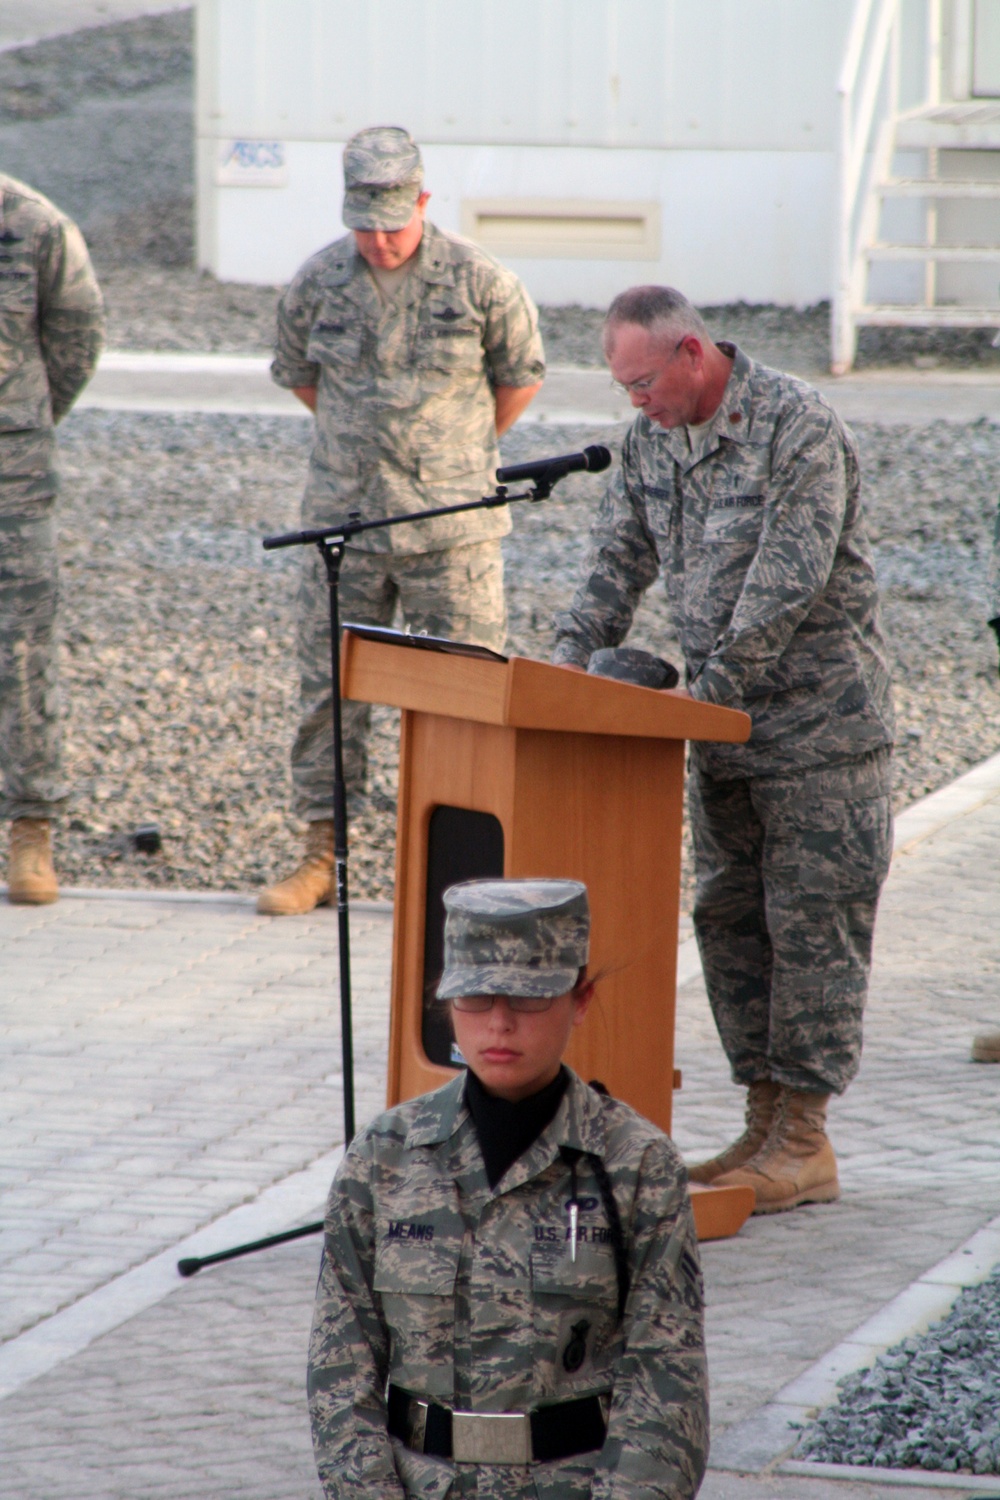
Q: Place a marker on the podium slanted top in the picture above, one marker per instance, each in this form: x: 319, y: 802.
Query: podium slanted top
x: 521, y: 693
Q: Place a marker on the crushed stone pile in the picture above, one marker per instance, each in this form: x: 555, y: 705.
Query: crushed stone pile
x: 931, y: 1402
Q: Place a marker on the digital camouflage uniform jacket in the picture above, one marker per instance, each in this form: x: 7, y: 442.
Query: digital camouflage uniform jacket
x: 768, y: 571
x: 405, y: 417
x: 469, y: 1296
x: 51, y: 331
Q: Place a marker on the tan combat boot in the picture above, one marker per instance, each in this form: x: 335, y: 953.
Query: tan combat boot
x: 986, y: 1047
x: 762, y: 1097
x: 796, y: 1163
x: 313, y: 882
x: 32, y: 879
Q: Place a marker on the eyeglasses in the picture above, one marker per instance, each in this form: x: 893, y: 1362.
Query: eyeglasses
x: 640, y: 387
x: 524, y: 1005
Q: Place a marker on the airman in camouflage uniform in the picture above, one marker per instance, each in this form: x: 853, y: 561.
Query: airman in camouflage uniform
x: 986, y: 1046
x: 51, y: 331
x: 415, y: 349
x: 470, y: 1298
x: 994, y: 606
x: 742, y: 485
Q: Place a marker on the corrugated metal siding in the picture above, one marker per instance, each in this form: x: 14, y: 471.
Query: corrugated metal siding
x: 703, y: 74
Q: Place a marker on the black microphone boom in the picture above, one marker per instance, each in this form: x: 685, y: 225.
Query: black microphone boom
x: 547, y: 470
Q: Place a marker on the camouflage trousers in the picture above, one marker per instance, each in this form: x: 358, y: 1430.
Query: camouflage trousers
x: 456, y: 593
x: 30, y: 735
x: 789, y: 870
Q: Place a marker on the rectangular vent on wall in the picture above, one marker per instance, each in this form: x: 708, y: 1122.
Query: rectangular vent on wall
x: 564, y: 228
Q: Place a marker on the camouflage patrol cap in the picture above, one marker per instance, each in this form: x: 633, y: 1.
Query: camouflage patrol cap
x: 383, y: 175
x: 630, y: 664
x: 514, y: 937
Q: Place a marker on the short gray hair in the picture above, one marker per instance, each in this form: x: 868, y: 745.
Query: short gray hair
x: 656, y: 308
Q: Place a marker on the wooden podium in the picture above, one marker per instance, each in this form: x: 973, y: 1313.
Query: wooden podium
x: 514, y: 767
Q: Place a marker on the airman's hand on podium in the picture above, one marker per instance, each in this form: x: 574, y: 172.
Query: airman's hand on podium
x: 571, y: 666
x: 679, y: 692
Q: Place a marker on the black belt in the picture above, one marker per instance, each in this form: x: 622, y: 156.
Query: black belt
x: 541, y: 1436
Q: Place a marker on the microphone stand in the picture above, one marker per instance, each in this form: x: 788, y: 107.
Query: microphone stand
x: 332, y: 542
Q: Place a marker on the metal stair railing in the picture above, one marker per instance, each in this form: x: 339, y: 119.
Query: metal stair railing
x: 867, y: 105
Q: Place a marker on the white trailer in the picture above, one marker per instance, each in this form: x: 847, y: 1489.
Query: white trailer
x: 589, y: 143
x: 744, y: 150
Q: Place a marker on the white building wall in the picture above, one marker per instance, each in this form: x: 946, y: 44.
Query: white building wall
x: 720, y: 113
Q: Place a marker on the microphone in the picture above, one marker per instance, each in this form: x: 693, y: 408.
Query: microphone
x: 547, y: 470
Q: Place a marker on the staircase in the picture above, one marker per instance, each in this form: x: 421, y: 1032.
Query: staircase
x: 920, y: 196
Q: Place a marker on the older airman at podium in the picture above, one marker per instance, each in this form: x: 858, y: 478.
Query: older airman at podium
x: 742, y: 485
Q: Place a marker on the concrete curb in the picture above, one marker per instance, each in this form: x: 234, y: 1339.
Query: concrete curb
x: 69, y: 1332
x: 573, y: 395
x: 928, y: 1479
x: 200, y: 898
x: 240, y: 385
x: 182, y: 362
x: 947, y: 804
x: 763, y: 1440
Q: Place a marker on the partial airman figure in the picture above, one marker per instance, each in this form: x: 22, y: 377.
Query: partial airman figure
x: 51, y: 333
x: 416, y: 350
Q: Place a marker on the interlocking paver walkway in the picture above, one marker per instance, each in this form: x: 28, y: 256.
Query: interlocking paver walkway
x: 162, y: 1062
x: 166, y: 1061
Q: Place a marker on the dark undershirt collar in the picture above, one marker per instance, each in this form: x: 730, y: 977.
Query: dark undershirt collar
x: 505, y: 1130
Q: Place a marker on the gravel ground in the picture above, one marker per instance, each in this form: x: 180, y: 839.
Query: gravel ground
x: 102, y: 121
x: 930, y: 1403
x: 51, y: 77
x: 178, y: 657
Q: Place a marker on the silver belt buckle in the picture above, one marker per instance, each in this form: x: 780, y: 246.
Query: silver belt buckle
x: 490, y: 1437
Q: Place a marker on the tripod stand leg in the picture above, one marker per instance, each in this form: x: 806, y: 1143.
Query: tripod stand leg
x: 194, y: 1263
x: 333, y: 552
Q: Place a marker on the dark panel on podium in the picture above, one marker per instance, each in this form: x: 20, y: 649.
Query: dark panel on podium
x: 461, y: 845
